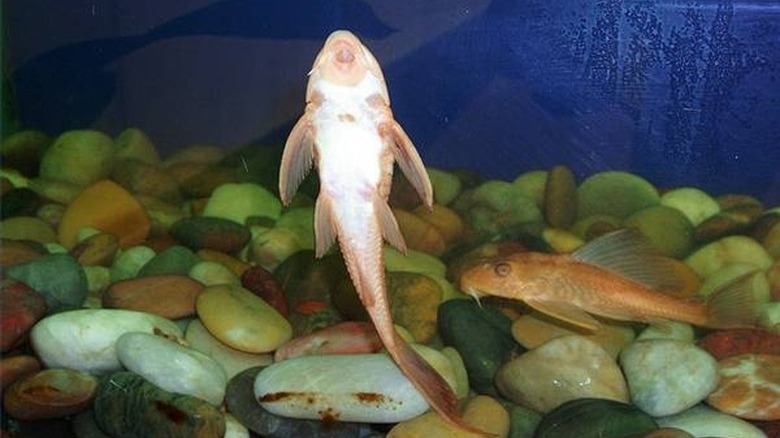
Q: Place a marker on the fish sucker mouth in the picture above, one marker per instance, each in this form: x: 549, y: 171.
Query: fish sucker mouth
x: 343, y: 53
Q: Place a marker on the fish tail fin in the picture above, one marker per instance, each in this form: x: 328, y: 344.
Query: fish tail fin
x: 734, y: 305
x: 431, y: 384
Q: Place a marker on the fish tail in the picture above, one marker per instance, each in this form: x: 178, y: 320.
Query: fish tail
x: 734, y: 305
x: 431, y: 384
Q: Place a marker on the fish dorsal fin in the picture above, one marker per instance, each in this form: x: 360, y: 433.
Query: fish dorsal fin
x: 390, y: 229
x: 627, y: 253
x: 565, y: 312
x: 324, y: 228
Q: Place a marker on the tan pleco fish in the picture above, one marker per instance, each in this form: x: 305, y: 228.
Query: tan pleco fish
x: 615, y: 276
x: 348, y: 131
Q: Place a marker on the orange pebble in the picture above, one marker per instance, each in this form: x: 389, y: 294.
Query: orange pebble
x: 107, y: 207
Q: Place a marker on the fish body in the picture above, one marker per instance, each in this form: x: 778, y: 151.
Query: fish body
x: 349, y: 133
x: 615, y: 277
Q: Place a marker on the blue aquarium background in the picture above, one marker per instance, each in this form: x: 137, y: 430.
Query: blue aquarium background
x: 682, y: 93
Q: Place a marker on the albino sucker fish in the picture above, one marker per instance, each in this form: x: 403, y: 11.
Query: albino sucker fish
x: 348, y: 131
x: 615, y: 276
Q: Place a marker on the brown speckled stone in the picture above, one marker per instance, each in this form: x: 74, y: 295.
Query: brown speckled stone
x: 749, y: 387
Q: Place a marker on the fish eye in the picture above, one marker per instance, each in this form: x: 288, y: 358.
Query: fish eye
x: 502, y: 269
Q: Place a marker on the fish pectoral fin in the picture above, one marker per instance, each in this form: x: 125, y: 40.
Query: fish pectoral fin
x: 408, y: 159
x: 324, y: 228
x: 390, y: 229
x: 297, y: 158
x: 565, y: 312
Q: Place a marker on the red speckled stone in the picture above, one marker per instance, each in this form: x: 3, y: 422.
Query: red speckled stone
x: 749, y: 387
x: 20, y: 308
x: 262, y: 283
x: 727, y: 343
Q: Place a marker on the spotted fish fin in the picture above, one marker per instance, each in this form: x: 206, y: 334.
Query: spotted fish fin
x: 735, y: 304
x: 297, y: 158
x: 627, y: 253
x: 408, y: 160
x: 565, y: 312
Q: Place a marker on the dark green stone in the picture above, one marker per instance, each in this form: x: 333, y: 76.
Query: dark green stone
x: 58, y: 277
x: 482, y: 336
x: 19, y: 201
x: 241, y: 403
x: 522, y: 421
x: 174, y: 260
x: 210, y: 232
x: 127, y: 406
x: 595, y: 418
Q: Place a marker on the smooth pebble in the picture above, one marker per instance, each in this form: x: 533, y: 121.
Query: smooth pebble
x: 315, y: 387
x: 253, y: 326
x: 233, y: 361
x: 171, y: 366
x: 701, y: 421
x: 668, y: 376
x: 84, y: 339
x: 563, y: 369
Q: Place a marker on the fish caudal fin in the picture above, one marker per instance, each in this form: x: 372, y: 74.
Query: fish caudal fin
x: 430, y: 383
x: 735, y: 304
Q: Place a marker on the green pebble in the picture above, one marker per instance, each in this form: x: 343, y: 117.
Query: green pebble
x: 58, y: 277
x: 496, y: 206
x: 695, y: 204
x: 595, y: 418
x: 127, y: 406
x: 129, y: 262
x: 79, y: 157
x: 614, y: 193
x: 237, y: 202
x: 301, y: 222
x: 532, y: 185
x: 175, y: 260
x: 732, y: 249
x: 481, y: 335
x: 446, y: 186
x: 23, y: 151
x: 666, y: 229
x: 522, y: 421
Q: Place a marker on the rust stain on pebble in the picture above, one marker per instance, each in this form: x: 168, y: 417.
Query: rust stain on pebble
x: 271, y: 397
x: 370, y: 397
x: 173, y: 413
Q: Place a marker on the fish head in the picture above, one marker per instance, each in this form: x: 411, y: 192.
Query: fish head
x: 345, y: 61
x: 495, y: 276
